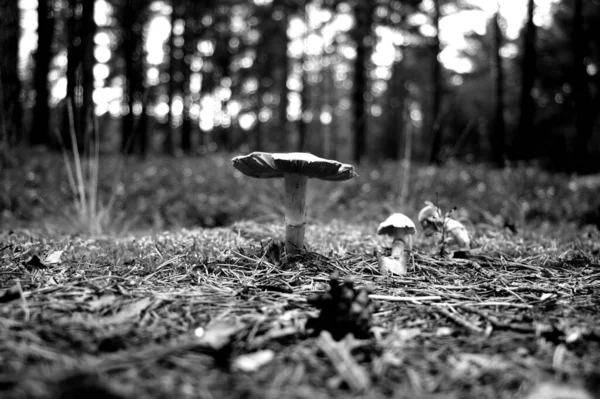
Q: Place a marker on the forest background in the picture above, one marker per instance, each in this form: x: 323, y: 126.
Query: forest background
x: 481, y: 81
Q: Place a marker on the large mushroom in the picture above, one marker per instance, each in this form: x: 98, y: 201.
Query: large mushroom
x: 295, y: 168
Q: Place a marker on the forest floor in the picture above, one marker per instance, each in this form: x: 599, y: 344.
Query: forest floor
x: 176, y: 286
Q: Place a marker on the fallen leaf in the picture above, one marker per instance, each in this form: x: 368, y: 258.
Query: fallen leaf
x: 53, y: 258
x: 34, y: 263
x: 129, y: 312
x: 218, y: 335
x: 253, y: 361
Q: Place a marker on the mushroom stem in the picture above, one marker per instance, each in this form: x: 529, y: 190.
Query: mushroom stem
x: 295, y: 211
x: 398, y: 248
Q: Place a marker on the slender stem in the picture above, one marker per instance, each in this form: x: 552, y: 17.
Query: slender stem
x: 398, y: 247
x: 295, y: 211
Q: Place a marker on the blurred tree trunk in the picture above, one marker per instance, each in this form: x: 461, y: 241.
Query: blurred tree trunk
x: 525, y: 143
x: 498, y: 139
x: 586, y: 110
x: 329, y: 139
x: 43, y: 56
x: 361, y: 34
x: 395, y: 112
x: 133, y: 138
x: 282, y: 68
x: 170, y: 131
x: 87, y: 32
x: 10, y: 86
x: 73, y: 48
x: 436, y: 129
x: 81, y: 30
x: 187, y: 57
x: 305, y: 91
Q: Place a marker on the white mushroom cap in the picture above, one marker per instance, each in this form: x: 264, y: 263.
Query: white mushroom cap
x: 270, y: 165
x: 397, y: 226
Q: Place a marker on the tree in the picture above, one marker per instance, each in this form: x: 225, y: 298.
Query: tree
x: 361, y: 35
x: 43, y: 56
x: 81, y: 30
x: 585, y: 109
x: 10, y: 87
x: 498, y: 138
x: 436, y: 130
x: 134, y: 137
x: 525, y: 143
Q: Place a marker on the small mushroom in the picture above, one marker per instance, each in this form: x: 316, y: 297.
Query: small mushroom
x: 401, y: 229
x: 458, y: 233
x: 295, y: 168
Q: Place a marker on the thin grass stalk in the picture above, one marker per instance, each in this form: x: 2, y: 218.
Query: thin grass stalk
x: 406, y: 163
x: 77, y: 160
x: 67, y: 161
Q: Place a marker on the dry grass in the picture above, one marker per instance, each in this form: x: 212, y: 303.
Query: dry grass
x: 120, y: 317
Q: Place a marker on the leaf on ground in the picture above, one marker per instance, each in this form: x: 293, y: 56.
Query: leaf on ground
x: 53, y: 258
x: 34, y: 263
x: 218, y: 335
x: 100, y: 302
x: 253, y: 361
x: 129, y: 312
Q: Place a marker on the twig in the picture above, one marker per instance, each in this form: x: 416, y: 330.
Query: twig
x: 392, y: 298
x: 353, y: 374
x: 459, y: 320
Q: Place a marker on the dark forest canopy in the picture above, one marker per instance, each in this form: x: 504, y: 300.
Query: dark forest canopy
x: 430, y: 79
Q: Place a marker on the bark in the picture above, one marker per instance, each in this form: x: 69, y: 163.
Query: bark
x: 436, y: 130
x: 363, y: 13
x: 87, y: 33
x: 188, y: 54
x: 170, y: 134
x: 525, y: 143
x: 282, y: 44
x: 43, y: 56
x: 395, y: 121
x: 132, y: 137
x: 10, y: 86
x: 498, y: 139
x: 584, y: 121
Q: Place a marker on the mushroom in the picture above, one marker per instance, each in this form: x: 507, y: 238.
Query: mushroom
x: 295, y: 168
x: 401, y: 229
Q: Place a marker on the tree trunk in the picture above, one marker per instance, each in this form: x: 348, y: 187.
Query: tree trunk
x: 133, y: 55
x: 395, y: 114
x: 525, y: 143
x: 436, y: 130
x: 188, y: 54
x: 10, y: 86
x: 87, y: 33
x: 584, y: 122
x: 43, y: 56
x: 498, y: 140
x: 363, y: 14
x: 170, y: 131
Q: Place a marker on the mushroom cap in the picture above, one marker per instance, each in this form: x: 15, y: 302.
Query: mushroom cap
x: 396, y: 225
x: 269, y: 165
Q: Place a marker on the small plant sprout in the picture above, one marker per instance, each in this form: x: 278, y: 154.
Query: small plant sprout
x: 458, y: 233
x: 454, y: 232
x: 401, y: 229
x: 430, y: 218
x: 295, y: 168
